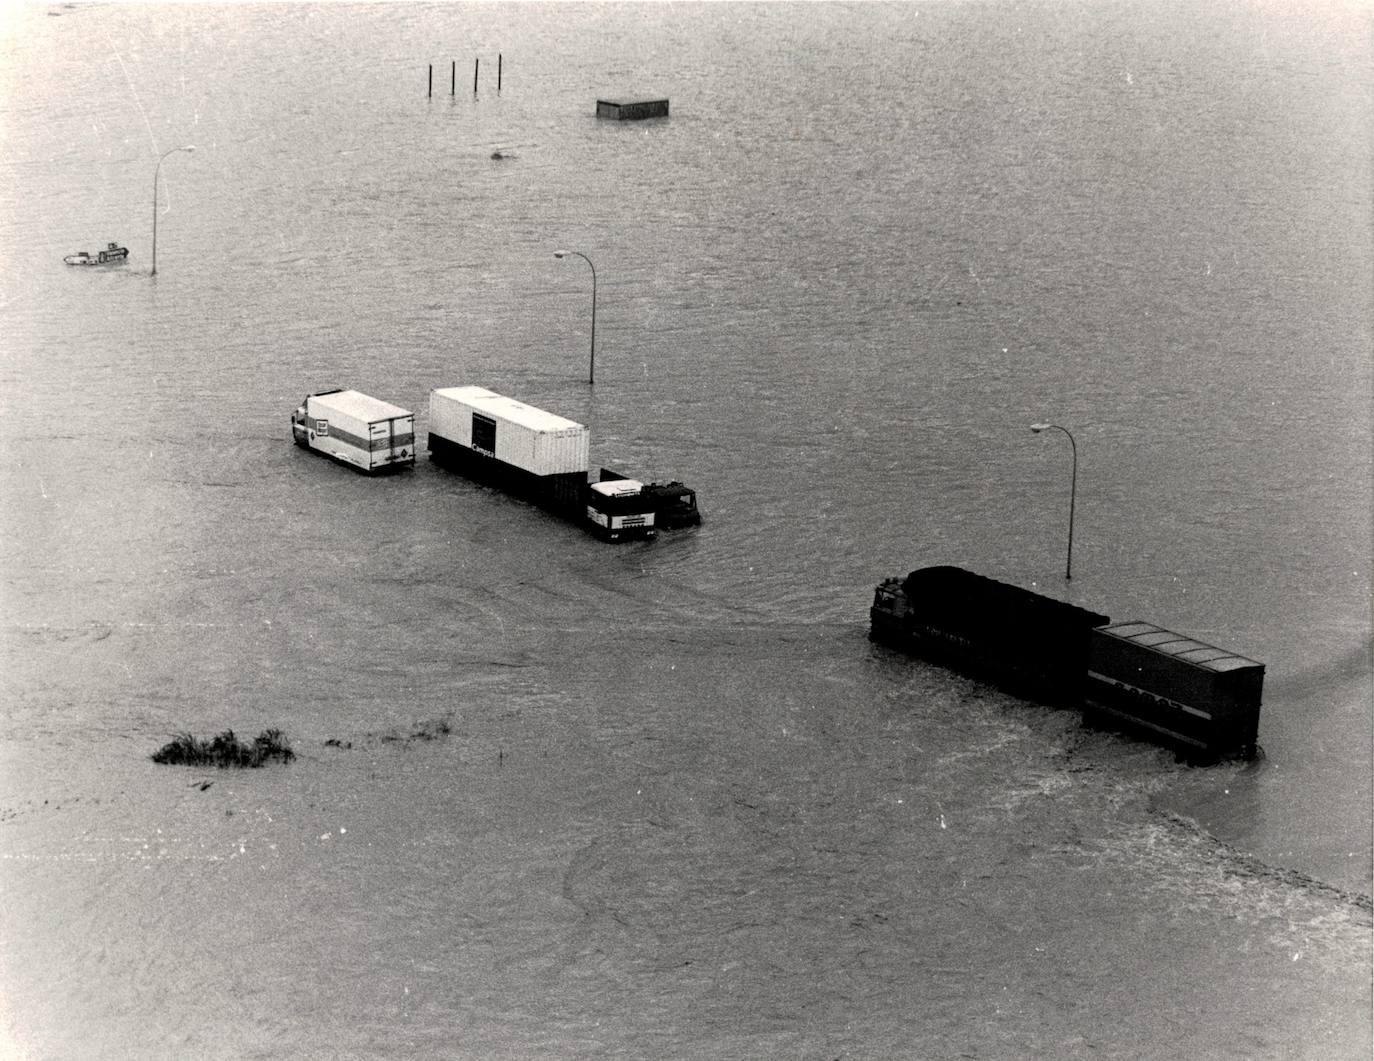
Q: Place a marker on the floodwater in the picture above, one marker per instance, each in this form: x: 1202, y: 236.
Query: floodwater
x: 555, y: 798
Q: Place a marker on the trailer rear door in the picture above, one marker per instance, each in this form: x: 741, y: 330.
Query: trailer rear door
x: 379, y: 442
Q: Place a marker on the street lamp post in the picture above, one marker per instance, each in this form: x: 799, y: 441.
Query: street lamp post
x: 591, y: 368
x: 156, y: 170
x: 1073, y: 486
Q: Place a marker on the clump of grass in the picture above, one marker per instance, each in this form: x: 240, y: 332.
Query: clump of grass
x: 225, y: 750
x: 433, y: 729
x: 428, y: 730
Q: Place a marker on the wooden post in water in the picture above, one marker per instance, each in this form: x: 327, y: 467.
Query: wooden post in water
x: 475, y: 64
x: 430, y: 92
x: 498, y: 71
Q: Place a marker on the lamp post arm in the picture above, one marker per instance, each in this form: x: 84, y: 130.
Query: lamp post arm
x: 591, y: 367
x: 1073, y: 498
x: 156, y: 170
x: 1073, y: 487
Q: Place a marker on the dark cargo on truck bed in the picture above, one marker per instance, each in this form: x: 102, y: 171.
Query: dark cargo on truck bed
x: 1027, y: 643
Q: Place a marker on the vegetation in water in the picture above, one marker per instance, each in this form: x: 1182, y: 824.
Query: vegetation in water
x: 226, y: 750
x: 428, y: 730
x: 432, y: 729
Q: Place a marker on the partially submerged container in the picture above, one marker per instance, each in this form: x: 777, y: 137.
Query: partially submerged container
x: 467, y: 421
x: 1200, y: 699
x: 622, y: 109
x: 1025, y: 642
x: 534, y: 455
x: 356, y: 429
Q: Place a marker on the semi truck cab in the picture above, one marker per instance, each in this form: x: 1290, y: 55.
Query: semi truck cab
x: 618, y: 509
x: 674, y: 504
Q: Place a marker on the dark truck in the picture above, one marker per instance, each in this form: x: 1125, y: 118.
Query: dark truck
x: 1200, y: 700
x: 541, y: 457
x: 1029, y: 644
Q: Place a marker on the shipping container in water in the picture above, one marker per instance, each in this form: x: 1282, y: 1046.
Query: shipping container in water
x: 517, y: 434
x: 1203, y: 700
x: 622, y: 109
x: 533, y: 455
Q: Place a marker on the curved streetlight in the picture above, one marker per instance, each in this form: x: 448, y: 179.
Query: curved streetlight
x: 1073, y: 486
x: 156, y: 170
x: 591, y: 369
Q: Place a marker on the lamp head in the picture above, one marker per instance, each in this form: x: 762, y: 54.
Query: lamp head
x: 560, y: 254
x: 1037, y: 428
x: 189, y: 147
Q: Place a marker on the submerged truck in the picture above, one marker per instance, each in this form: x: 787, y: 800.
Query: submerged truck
x: 355, y: 429
x: 674, y: 504
x: 1200, y: 699
x: 1029, y: 644
x: 542, y: 458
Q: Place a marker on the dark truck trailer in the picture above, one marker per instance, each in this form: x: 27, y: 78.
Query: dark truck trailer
x: 1202, y: 700
x: 1030, y: 645
x: 568, y: 495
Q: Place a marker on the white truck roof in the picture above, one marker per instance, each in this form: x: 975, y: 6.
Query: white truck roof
x: 618, y: 487
x: 360, y: 406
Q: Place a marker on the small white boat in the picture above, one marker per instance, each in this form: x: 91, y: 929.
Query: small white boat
x: 113, y: 254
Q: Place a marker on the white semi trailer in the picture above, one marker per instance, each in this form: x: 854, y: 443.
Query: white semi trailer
x: 534, y: 455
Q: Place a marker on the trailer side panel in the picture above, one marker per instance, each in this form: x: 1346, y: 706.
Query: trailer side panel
x: 1202, y: 699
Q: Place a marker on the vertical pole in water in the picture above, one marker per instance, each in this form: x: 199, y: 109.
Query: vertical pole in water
x: 430, y: 92
x: 475, y: 64
x: 498, y: 71
x: 1073, y: 488
x: 453, y: 78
